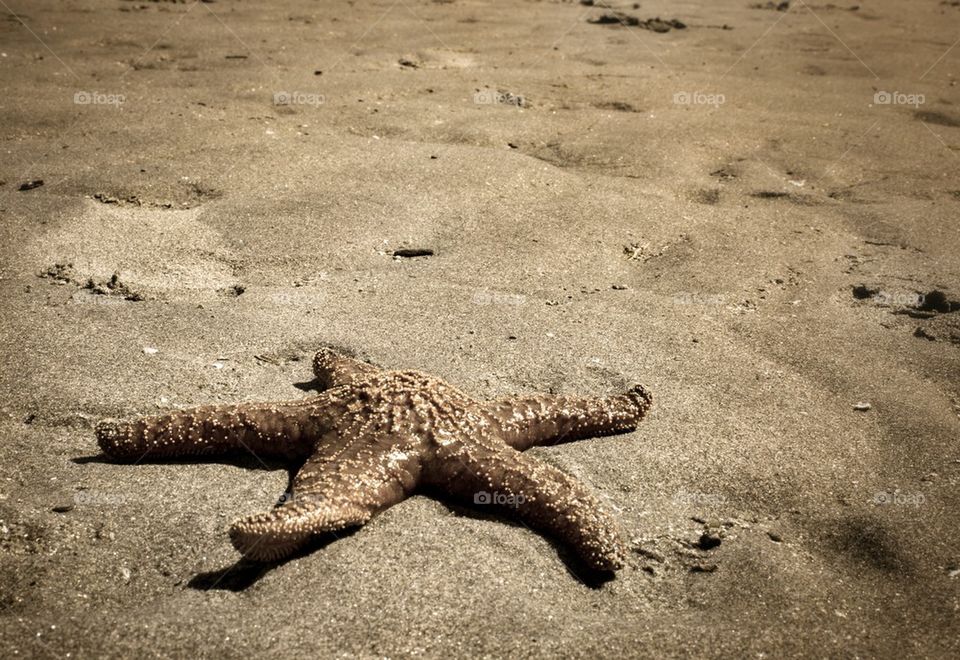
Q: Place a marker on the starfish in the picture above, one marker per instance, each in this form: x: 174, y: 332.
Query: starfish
x: 371, y: 437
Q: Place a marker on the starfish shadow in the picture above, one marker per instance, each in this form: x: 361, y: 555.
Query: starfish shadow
x: 244, y: 573
x: 574, y: 566
x: 237, y: 577
x: 309, y: 386
x: 244, y: 460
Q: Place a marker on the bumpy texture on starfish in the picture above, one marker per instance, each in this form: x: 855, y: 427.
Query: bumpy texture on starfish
x: 372, y: 437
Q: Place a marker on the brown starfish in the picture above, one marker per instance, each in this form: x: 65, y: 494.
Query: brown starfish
x: 373, y: 436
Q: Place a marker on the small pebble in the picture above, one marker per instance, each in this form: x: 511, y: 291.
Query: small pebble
x: 708, y: 541
x: 413, y: 252
x: 150, y: 350
x: 30, y: 185
x: 862, y: 406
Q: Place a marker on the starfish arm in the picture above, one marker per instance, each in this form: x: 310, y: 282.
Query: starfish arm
x: 329, y: 493
x: 537, y: 493
x: 527, y: 421
x: 333, y: 369
x: 285, y: 429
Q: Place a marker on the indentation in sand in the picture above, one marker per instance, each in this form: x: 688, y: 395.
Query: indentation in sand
x: 161, y: 253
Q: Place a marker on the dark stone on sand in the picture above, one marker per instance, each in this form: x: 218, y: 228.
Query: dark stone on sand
x: 619, y: 106
x: 657, y: 25
x: 770, y: 194
x: 937, y: 301
x: 654, y: 24
x: 708, y: 541
x: 413, y: 252
x: 614, y: 18
x: 664, y: 25
x: 779, y: 6
x: 30, y: 185
x: 862, y: 292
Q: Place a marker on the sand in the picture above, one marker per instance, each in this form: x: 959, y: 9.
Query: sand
x: 759, y: 222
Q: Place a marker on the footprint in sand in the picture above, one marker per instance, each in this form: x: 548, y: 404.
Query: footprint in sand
x: 158, y: 253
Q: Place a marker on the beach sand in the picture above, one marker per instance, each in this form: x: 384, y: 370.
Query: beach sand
x: 754, y: 215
